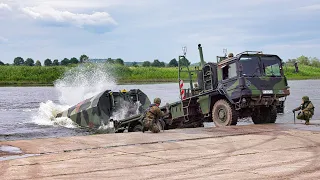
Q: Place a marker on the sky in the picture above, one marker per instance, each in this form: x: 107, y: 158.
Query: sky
x: 144, y: 30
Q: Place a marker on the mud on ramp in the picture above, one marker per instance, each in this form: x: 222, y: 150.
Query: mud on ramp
x: 277, y: 151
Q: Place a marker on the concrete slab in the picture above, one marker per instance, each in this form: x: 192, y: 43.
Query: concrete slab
x: 277, y: 151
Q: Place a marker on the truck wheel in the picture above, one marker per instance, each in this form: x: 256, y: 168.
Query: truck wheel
x: 264, y: 115
x: 272, y: 114
x: 258, y: 117
x: 224, y: 114
x: 137, y: 128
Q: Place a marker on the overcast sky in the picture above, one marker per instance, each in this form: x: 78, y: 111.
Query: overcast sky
x: 139, y: 30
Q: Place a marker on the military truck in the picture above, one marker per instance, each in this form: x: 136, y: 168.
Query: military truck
x: 250, y: 84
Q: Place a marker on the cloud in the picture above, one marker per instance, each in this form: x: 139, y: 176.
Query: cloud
x: 5, y: 6
x: 98, y: 22
x: 314, y: 7
x: 3, y: 40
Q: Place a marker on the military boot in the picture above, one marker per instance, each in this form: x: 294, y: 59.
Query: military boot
x: 307, y: 122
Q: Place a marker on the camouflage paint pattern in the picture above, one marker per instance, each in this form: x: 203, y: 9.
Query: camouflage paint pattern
x: 96, y: 111
x: 254, y: 87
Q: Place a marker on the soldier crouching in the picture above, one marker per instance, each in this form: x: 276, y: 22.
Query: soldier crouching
x: 153, y: 117
x: 307, y: 110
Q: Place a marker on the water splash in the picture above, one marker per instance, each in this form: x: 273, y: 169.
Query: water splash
x: 126, y: 110
x: 76, y: 85
x: 47, y: 112
x: 83, y: 82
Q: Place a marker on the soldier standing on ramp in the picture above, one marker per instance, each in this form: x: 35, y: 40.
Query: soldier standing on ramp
x: 153, y: 117
x: 307, y: 110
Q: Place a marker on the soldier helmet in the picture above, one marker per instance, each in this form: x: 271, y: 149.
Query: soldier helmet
x: 157, y: 101
x: 230, y: 55
x: 305, y: 98
x: 123, y: 90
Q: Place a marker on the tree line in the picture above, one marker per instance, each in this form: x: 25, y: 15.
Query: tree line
x: 309, y: 61
x: 19, y: 61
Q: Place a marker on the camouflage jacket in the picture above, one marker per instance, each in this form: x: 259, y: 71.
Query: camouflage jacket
x: 153, y: 112
x: 306, y: 106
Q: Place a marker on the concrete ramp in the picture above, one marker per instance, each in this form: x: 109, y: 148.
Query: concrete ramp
x: 275, y: 151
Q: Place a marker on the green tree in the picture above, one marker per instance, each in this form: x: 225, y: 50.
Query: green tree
x: 29, y: 62
x: 74, y: 61
x: 83, y: 58
x: 314, y: 62
x: 18, y: 61
x: 303, y: 60
x: 65, y: 62
x: 55, y: 62
x: 110, y: 61
x: 146, y: 64
x: 184, y: 62
x: 38, y: 63
x: 156, y: 63
x: 292, y: 61
x: 135, y: 64
x: 48, y: 62
x: 162, y: 64
x: 173, y: 63
x: 1, y: 63
x: 119, y: 61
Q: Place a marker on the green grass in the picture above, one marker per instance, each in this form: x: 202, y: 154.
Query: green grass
x: 25, y: 75
x: 19, y: 75
x: 305, y: 72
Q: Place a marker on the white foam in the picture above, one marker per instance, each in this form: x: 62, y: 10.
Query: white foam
x: 83, y: 82
x: 47, y: 112
x: 126, y: 111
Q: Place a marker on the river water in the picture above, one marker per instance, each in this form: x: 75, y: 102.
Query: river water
x: 27, y: 112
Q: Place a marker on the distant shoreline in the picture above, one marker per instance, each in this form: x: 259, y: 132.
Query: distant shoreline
x: 19, y: 76
x: 19, y: 84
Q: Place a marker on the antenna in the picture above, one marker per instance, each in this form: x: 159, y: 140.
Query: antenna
x: 184, y: 50
x: 225, y: 52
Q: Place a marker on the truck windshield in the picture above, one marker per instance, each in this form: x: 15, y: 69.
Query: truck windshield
x: 260, y: 66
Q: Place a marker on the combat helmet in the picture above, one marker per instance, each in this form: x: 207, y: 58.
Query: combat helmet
x: 230, y: 55
x: 305, y: 98
x: 157, y: 101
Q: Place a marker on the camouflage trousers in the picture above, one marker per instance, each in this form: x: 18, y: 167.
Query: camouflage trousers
x: 153, y: 127
x: 304, y: 115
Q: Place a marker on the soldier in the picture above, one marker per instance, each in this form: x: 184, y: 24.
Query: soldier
x: 152, y: 117
x: 296, y: 67
x: 230, y: 55
x: 307, y: 110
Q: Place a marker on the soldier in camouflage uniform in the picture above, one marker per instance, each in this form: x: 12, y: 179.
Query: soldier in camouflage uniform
x: 307, y: 110
x: 152, y: 117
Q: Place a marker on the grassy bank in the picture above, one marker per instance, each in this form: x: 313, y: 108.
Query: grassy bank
x: 24, y: 75
x: 305, y: 72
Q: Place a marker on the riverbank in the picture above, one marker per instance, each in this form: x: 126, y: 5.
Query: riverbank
x: 277, y: 151
x: 46, y: 76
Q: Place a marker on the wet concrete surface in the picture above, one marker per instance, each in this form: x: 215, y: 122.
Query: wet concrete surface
x: 273, y: 151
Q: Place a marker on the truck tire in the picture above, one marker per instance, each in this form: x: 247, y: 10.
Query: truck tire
x: 273, y: 114
x: 264, y: 115
x: 224, y: 114
x: 258, y: 117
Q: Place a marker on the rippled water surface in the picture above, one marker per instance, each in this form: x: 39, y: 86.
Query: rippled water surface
x: 25, y: 112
